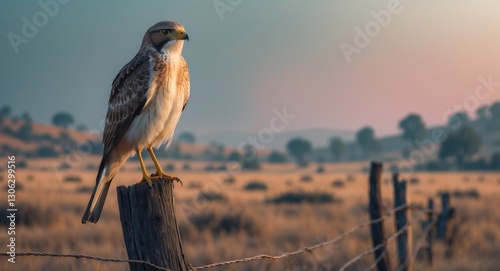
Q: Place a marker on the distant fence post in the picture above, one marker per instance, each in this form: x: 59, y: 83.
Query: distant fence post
x: 430, y: 221
x: 377, y: 229
x: 149, y: 226
x: 401, y: 221
x: 442, y: 221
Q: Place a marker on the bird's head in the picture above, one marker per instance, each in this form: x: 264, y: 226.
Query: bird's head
x: 166, y: 37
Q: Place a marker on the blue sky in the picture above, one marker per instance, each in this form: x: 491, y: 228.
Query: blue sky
x: 259, y: 55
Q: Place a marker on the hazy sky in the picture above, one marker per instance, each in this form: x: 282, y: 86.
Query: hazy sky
x: 260, y: 55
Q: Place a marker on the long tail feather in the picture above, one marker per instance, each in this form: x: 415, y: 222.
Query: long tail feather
x: 96, y: 202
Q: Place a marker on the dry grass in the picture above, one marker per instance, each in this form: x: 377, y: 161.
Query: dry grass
x: 50, y: 212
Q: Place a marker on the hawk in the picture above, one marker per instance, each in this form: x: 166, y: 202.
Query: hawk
x: 147, y: 99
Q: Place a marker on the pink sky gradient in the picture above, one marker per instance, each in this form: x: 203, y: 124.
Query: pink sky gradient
x: 426, y: 60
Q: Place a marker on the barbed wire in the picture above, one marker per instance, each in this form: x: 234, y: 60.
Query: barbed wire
x: 83, y: 256
x: 420, y: 241
x: 311, y: 248
x: 258, y: 257
x: 372, y: 250
x: 422, y: 236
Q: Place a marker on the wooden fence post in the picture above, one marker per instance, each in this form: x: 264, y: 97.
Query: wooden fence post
x: 149, y: 226
x: 377, y: 229
x: 430, y: 221
x: 443, y: 217
x: 401, y: 221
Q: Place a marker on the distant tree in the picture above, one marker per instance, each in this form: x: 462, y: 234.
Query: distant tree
x: 15, y: 119
x: 494, y: 122
x: 483, y: 113
x: 234, y: 156
x: 250, y: 159
x: 406, y: 152
x: 67, y: 142
x: 337, y: 148
x: 458, y: 119
x: 461, y: 145
x: 300, y: 149
x: 187, y: 137
x: 174, y: 151
x: 352, y: 151
x: 82, y: 127
x: 217, y: 151
x: 25, y: 131
x: 25, y: 116
x: 96, y: 146
x: 63, y: 119
x: 495, y: 161
x: 276, y: 157
x: 365, y: 138
x: 208, y: 153
x: 413, y: 128
x: 5, y: 111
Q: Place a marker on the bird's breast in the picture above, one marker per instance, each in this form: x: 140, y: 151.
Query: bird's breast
x: 156, y: 123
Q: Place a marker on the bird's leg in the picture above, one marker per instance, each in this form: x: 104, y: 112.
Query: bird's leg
x: 145, y: 176
x: 159, y: 171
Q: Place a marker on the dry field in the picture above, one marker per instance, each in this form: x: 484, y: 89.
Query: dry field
x: 238, y: 222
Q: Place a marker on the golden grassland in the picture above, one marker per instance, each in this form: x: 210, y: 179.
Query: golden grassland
x: 243, y: 224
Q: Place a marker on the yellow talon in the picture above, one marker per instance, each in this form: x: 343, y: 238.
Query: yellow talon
x: 145, y: 176
x: 159, y: 171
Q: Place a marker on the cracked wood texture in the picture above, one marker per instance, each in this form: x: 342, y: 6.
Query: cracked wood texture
x: 149, y: 226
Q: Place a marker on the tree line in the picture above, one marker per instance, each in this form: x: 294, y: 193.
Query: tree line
x: 459, y: 146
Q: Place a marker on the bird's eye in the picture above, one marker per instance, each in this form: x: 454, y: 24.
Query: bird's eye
x: 164, y: 32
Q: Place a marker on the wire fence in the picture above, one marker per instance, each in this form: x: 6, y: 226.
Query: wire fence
x: 309, y: 249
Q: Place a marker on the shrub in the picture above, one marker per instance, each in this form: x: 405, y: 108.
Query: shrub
x: 320, y: 169
x: 306, y: 178
x: 72, y: 179
x: 84, y: 189
x: 236, y: 222
x: 230, y: 180
x: 471, y: 193
x: 227, y: 223
x: 19, y: 186
x: 276, y: 157
x: 91, y: 167
x: 210, y: 167
x: 21, y: 164
x: 414, y: 181
x: 458, y: 193
x: 211, y: 196
x: 351, y: 178
x: 255, y: 185
x: 170, y: 167
x: 338, y: 183
x: 47, y: 152
x: 194, y: 185
x: 234, y: 156
x: 186, y: 167
x: 203, y: 220
x: 29, y: 214
x: 302, y: 197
